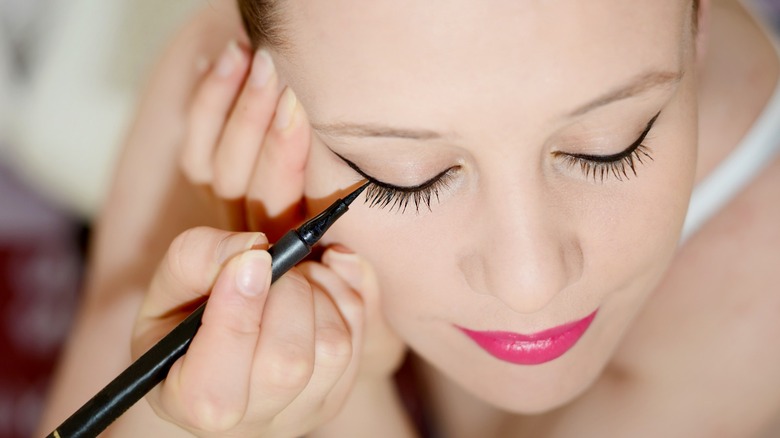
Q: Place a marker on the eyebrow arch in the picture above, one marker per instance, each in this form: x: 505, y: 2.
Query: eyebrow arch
x: 374, y: 130
x: 638, y: 85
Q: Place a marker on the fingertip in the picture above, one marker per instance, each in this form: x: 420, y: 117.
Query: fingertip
x: 263, y: 69
x: 226, y: 184
x: 209, y: 108
x: 285, y: 110
x: 196, y: 170
x: 232, y: 59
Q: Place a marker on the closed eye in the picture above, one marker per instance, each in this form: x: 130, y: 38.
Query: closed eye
x: 384, y: 195
x: 600, y: 167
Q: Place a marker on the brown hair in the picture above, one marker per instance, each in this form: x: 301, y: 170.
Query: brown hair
x: 262, y: 22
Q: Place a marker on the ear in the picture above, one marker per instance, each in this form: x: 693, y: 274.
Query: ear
x: 702, y: 29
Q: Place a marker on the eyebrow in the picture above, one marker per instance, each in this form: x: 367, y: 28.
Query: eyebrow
x: 638, y: 85
x: 374, y: 130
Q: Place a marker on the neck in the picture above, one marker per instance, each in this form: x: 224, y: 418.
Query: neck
x: 738, y: 74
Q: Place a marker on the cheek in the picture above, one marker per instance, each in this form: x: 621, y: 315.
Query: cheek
x: 631, y: 234
x: 411, y: 253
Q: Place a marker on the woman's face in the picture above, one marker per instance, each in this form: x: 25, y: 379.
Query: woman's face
x: 545, y: 201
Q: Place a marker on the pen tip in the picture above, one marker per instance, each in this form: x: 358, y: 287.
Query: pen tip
x: 352, y: 196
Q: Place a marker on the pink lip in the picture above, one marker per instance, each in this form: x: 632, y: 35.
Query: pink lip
x: 531, y: 349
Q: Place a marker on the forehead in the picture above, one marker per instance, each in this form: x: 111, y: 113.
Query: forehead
x: 411, y: 59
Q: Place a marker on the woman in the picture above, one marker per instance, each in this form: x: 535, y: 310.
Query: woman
x: 531, y: 165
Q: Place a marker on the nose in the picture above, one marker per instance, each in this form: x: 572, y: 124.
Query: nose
x: 525, y: 250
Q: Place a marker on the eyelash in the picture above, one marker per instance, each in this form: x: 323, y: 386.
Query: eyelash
x: 600, y: 167
x: 383, y: 195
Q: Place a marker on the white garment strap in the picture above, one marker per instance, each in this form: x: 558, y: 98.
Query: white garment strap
x: 752, y: 155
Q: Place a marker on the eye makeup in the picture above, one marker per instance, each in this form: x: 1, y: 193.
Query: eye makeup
x: 600, y: 167
x: 384, y: 195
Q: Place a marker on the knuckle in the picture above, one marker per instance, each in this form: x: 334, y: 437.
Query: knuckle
x: 243, y: 324
x: 295, y: 281
x: 348, y: 301
x: 206, y: 415
x: 248, y: 110
x: 186, y: 238
x: 290, y: 367
x: 210, y: 413
x: 274, y: 151
x: 182, y: 259
x: 224, y: 189
x: 209, y: 96
x: 191, y: 238
x: 192, y: 168
x: 352, y: 307
x: 161, y: 406
x: 333, y: 346
x: 225, y: 182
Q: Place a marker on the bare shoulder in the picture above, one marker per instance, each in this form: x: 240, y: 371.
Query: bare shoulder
x: 707, y: 337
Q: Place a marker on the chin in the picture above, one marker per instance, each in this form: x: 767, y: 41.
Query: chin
x: 539, y: 402
x: 531, y: 390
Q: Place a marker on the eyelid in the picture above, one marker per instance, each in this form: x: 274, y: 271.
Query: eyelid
x: 620, y: 155
x: 406, y: 189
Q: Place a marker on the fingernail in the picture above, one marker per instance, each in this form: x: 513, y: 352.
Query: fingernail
x: 285, y: 110
x: 262, y: 69
x: 261, y: 242
x: 228, y: 61
x: 252, y: 272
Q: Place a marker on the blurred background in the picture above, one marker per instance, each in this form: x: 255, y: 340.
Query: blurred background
x: 70, y: 73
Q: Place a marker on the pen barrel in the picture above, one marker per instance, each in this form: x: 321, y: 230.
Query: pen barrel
x: 287, y: 252
x: 132, y: 384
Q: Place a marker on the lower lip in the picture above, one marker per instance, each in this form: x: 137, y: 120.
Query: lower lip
x: 531, y: 349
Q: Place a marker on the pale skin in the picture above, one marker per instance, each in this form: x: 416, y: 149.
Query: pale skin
x: 680, y: 346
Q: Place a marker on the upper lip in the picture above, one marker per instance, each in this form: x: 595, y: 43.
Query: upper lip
x: 544, y: 334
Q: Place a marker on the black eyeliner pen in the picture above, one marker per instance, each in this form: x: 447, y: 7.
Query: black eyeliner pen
x: 152, y: 367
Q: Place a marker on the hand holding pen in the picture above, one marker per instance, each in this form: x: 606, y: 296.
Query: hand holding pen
x: 250, y: 370
x: 267, y: 361
x: 262, y: 354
